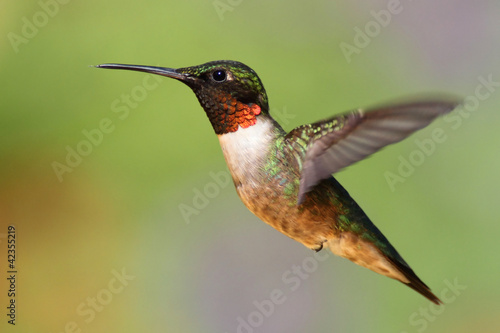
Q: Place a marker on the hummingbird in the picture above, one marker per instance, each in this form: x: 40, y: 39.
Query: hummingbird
x: 286, y: 180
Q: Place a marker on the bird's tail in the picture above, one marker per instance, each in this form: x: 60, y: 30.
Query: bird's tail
x: 367, y: 253
x: 360, y: 241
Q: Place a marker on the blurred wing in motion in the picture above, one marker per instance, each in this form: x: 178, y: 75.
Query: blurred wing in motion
x: 338, y: 142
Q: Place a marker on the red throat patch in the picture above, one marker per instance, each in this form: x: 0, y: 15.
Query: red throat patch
x: 236, y: 114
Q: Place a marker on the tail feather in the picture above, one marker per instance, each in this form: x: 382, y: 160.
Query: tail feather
x: 366, y: 246
x: 366, y: 254
x: 415, y: 283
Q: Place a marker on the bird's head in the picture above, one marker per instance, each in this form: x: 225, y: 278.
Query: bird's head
x: 230, y: 92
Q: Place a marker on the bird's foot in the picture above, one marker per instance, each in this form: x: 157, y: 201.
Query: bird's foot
x: 320, y: 247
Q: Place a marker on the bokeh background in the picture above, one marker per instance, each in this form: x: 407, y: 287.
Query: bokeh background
x: 143, y: 204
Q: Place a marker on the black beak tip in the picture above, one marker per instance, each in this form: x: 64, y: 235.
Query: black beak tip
x: 163, y: 71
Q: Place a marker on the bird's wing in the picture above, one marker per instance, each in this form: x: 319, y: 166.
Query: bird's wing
x: 335, y: 143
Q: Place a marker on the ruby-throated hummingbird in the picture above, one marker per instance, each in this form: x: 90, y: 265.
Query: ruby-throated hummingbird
x: 286, y: 178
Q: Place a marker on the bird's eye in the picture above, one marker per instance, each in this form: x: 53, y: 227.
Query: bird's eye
x: 219, y: 75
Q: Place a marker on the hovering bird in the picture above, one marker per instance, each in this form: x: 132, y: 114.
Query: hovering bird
x: 286, y: 179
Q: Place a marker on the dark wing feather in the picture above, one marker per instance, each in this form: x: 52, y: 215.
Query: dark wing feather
x: 338, y: 142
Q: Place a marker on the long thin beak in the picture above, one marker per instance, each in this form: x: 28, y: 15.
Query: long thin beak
x: 164, y: 71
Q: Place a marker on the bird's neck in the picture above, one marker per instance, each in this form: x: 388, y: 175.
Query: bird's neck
x: 246, y: 150
x: 226, y: 113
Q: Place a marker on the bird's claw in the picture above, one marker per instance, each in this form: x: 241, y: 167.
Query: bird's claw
x: 320, y: 247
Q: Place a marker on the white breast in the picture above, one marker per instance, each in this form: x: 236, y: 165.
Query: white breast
x: 246, y: 149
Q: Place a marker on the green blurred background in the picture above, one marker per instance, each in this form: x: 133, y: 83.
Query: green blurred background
x: 118, y: 211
